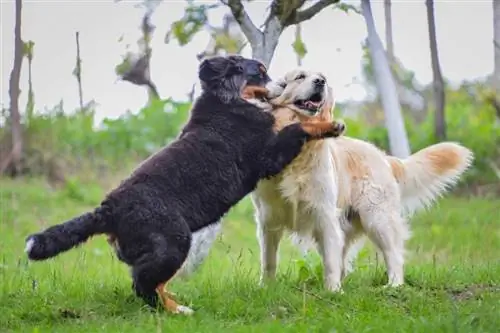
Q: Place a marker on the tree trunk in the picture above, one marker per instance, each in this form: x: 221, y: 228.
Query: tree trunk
x: 398, y: 140
x: 79, y: 70
x: 496, y: 48
x: 30, y: 107
x: 282, y: 14
x: 264, y: 44
x: 264, y: 51
x: 437, y: 81
x: 14, y: 91
x: 388, y: 31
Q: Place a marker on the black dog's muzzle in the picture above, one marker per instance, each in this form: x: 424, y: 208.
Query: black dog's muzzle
x: 255, y: 72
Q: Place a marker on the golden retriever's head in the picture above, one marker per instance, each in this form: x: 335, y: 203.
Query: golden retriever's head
x: 305, y: 92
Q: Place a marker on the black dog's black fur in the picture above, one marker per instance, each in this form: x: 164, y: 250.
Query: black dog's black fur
x: 227, y: 145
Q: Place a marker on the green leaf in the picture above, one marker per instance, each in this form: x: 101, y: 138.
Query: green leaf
x: 299, y: 47
x: 346, y: 8
x: 125, y: 66
x: 28, y: 49
x: 194, y: 19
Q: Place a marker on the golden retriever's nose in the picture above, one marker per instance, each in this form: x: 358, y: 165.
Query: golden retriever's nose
x: 319, y: 82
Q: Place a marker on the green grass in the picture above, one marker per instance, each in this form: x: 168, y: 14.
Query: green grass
x: 453, y: 277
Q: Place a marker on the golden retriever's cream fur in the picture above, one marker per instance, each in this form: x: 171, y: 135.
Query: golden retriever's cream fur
x: 338, y: 190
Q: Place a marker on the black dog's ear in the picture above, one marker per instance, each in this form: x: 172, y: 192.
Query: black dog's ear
x: 205, y: 71
x: 216, y: 68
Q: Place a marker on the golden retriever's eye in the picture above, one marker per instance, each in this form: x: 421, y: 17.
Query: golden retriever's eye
x: 300, y: 77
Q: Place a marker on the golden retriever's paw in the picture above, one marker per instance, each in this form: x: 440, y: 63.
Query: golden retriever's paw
x: 335, y: 289
x: 333, y: 285
x: 393, y: 285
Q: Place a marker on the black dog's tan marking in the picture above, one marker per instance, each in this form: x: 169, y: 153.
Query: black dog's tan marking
x: 225, y: 148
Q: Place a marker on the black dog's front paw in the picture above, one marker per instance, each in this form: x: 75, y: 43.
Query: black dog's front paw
x: 339, y: 128
x: 323, y: 129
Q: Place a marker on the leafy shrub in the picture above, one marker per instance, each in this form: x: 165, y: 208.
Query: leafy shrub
x: 73, y: 137
x: 469, y: 121
x: 54, y: 137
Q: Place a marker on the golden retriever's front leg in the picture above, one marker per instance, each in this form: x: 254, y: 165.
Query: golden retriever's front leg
x: 269, y: 240
x: 330, y: 238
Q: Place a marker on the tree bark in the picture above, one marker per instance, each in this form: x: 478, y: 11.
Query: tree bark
x: 398, y: 139
x: 14, y: 91
x: 30, y: 105
x: 283, y: 13
x: 79, y: 70
x: 264, y: 51
x: 437, y: 77
x: 496, y: 50
x: 388, y: 30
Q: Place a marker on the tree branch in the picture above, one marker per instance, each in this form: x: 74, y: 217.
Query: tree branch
x: 252, y: 33
x: 310, y: 12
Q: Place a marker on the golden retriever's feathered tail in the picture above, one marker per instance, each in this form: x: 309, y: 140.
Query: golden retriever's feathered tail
x: 426, y: 175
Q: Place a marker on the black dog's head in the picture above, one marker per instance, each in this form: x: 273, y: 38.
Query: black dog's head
x: 226, y: 77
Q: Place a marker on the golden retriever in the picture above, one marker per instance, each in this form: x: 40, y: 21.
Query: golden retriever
x: 338, y: 190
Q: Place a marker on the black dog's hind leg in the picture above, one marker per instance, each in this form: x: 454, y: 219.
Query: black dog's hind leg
x: 154, y: 269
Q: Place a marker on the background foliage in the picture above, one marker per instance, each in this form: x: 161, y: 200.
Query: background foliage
x: 63, y: 144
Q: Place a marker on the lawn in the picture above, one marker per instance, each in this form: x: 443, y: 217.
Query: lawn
x: 453, y: 277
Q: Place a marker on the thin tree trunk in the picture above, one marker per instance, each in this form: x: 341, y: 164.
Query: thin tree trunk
x: 14, y: 91
x: 79, y: 69
x: 388, y: 30
x: 398, y: 139
x: 147, y: 30
x: 30, y: 107
x: 437, y: 81
x: 264, y: 52
x: 264, y: 44
x: 496, y: 48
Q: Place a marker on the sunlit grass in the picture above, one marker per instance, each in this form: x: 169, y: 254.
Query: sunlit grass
x: 453, y: 277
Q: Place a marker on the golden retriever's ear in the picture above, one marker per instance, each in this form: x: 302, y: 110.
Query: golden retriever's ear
x: 326, y: 112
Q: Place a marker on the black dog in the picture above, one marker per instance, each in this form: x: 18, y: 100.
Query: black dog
x: 227, y: 145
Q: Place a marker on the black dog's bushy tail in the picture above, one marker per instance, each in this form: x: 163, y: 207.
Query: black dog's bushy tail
x: 62, y: 237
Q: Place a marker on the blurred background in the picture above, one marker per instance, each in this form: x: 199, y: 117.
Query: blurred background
x: 89, y: 88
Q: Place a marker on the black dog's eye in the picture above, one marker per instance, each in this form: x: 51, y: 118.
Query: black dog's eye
x: 300, y: 77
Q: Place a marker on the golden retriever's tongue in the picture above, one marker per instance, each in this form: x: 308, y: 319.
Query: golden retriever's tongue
x: 312, y: 105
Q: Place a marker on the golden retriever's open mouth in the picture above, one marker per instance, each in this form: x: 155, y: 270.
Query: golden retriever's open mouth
x: 312, y: 104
